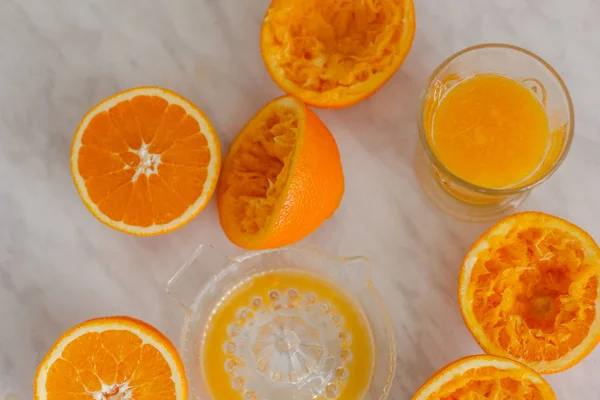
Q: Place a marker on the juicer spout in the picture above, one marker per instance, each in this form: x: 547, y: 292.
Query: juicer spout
x: 204, y: 266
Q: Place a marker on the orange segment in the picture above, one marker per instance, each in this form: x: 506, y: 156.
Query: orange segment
x: 150, y: 111
x: 128, y: 127
x: 99, y: 162
x: 334, y: 53
x: 125, y: 156
x: 281, y: 179
x: 529, y: 291
x: 165, y: 200
x: 139, y: 210
x: 185, y: 180
x: 485, y: 377
x: 111, y: 358
x: 116, y: 201
x: 191, y: 151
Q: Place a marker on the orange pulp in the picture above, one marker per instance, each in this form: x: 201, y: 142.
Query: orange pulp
x: 218, y: 366
x: 490, y: 130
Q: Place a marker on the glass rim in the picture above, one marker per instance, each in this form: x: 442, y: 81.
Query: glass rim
x: 480, y: 189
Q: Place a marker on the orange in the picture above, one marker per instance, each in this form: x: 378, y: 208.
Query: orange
x: 281, y: 178
x: 335, y: 53
x: 528, y: 290
x: 485, y: 377
x: 111, y: 359
x: 145, y: 161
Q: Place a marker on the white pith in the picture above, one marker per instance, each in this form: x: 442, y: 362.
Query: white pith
x: 149, y: 162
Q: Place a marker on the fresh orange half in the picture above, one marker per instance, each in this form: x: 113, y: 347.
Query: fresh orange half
x: 485, y: 377
x: 529, y: 291
x: 335, y: 53
x: 114, y: 358
x: 145, y: 161
x: 281, y: 178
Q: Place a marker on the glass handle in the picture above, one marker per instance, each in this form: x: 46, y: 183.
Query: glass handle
x: 202, y: 267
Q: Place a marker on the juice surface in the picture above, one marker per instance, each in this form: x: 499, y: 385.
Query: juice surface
x: 287, y: 329
x: 490, y: 130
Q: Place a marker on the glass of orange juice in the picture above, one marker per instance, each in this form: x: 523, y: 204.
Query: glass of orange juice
x: 496, y: 120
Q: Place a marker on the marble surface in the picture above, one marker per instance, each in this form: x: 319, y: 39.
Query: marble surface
x: 60, y: 266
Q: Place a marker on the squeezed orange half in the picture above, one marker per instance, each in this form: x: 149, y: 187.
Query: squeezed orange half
x: 490, y: 130
x: 287, y: 334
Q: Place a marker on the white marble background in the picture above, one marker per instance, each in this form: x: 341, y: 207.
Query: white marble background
x: 59, y: 266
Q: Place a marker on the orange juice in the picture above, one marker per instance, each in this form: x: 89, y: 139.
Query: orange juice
x: 287, y: 334
x: 490, y: 130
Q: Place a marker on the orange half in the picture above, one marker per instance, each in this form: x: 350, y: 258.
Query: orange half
x: 528, y: 290
x: 335, y: 53
x: 145, y: 161
x: 485, y: 377
x: 111, y: 359
x: 281, y: 178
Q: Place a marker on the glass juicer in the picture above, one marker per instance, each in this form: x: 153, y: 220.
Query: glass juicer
x: 309, y: 331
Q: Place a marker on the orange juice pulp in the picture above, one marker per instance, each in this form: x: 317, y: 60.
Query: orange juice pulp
x: 356, y: 346
x: 491, y: 131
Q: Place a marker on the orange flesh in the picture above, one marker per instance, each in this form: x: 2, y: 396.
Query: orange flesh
x: 144, y: 161
x: 115, y: 358
x: 324, y: 45
x: 260, y: 168
x: 491, y: 131
x: 489, y: 383
x: 214, y: 360
x: 533, y: 293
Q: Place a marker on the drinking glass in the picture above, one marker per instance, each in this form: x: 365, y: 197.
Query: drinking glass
x: 463, y: 199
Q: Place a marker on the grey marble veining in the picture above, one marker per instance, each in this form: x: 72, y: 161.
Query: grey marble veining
x: 59, y: 266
